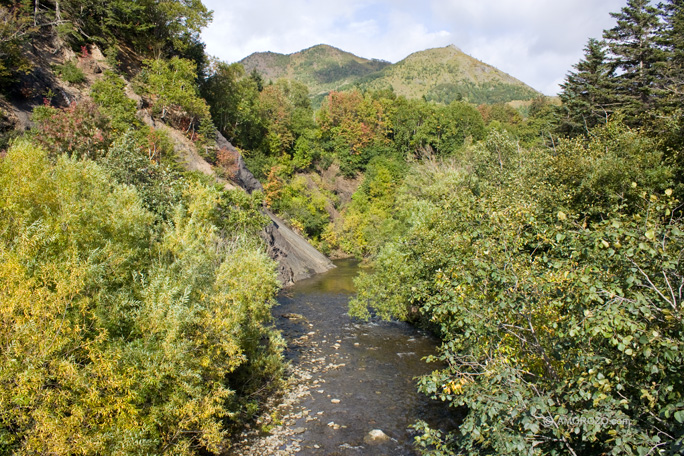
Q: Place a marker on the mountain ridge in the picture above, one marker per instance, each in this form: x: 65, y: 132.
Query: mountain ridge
x: 440, y: 74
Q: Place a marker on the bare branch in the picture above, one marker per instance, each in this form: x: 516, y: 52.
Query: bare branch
x: 674, y: 300
x: 653, y: 287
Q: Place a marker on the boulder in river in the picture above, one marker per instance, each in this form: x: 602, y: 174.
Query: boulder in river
x: 376, y: 436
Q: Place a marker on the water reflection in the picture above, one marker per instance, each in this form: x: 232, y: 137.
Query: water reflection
x: 339, y: 280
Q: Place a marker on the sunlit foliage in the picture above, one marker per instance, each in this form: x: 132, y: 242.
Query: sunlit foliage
x: 558, y: 310
x: 171, y: 88
x: 118, y: 337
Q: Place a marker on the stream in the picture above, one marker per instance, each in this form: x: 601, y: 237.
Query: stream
x: 347, y: 378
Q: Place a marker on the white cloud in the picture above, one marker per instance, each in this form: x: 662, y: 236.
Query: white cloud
x: 245, y: 26
x: 536, y: 41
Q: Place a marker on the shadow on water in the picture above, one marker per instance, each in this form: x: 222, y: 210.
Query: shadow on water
x: 364, y: 374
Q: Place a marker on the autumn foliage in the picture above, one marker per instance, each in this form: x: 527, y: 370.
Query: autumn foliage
x: 80, y: 130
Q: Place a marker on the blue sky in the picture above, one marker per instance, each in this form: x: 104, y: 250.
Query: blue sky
x: 536, y: 41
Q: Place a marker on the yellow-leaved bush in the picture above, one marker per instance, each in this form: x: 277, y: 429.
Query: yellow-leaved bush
x: 120, y: 334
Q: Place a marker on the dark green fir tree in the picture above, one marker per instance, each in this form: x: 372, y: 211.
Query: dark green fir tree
x: 636, y: 58
x: 587, y: 94
x: 671, y: 41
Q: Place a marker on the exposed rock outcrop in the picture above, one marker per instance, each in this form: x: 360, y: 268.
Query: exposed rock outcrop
x: 297, y: 259
x: 244, y: 176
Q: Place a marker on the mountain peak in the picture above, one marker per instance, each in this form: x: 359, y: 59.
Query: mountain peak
x: 321, y: 67
x: 322, y: 47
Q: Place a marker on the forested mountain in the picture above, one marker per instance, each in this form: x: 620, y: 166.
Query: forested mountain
x: 321, y: 68
x: 441, y: 75
x: 447, y: 74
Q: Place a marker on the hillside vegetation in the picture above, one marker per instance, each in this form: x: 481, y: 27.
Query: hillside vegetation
x: 135, y: 295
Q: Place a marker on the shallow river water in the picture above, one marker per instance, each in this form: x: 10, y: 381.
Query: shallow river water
x: 350, y: 377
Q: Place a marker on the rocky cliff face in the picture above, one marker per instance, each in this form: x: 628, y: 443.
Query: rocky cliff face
x: 244, y: 177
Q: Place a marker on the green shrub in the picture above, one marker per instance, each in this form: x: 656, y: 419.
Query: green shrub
x: 368, y: 221
x: 302, y: 203
x: 171, y: 88
x: 109, y: 94
x: 612, y: 168
x: 112, y: 56
x: 70, y: 73
x: 159, y: 186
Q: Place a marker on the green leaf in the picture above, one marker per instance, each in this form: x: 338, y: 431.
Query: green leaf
x: 679, y: 416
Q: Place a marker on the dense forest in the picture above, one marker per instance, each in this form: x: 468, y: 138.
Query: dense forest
x: 541, y: 244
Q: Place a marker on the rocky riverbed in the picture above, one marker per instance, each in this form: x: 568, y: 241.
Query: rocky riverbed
x: 352, y: 385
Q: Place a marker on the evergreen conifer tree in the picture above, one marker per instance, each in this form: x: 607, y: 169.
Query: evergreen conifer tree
x: 587, y: 93
x: 636, y: 58
x: 671, y: 41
